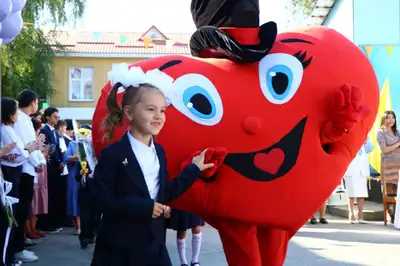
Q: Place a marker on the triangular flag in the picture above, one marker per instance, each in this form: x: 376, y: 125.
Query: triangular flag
x: 389, y: 50
x: 96, y: 36
x: 147, y: 41
x: 385, y: 103
x: 169, y: 44
x: 368, y: 50
x: 123, y: 39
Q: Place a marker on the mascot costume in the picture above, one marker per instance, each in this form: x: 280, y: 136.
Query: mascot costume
x: 290, y: 111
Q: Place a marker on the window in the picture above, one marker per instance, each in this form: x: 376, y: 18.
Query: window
x: 81, y: 84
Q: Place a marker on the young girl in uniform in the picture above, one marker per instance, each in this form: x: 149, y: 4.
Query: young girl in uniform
x: 130, y: 185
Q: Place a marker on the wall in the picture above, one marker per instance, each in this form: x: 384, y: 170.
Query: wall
x: 61, y: 78
x: 386, y: 62
x: 376, y: 22
x: 340, y: 18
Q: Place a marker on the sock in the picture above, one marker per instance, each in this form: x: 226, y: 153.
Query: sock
x: 181, y: 244
x: 196, y: 246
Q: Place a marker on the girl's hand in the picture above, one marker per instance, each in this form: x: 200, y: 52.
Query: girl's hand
x: 199, y: 161
x: 158, y: 209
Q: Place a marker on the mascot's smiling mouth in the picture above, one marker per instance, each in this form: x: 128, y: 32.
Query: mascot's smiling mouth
x: 270, y: 163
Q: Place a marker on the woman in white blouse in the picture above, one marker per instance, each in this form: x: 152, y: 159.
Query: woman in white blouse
x: 11, y: 163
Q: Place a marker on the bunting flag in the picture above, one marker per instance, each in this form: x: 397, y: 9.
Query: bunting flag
x: 385, y: 103
x: 123, y: 39
x: 368, y: 50
x: 389, y: 50
x: 169, y: 44
x: 96, y: 36
x: 147, y: 41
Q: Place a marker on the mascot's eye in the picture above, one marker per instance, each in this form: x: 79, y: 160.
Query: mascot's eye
x: 198, y: 99
x: 199, y: 102
x: 280, y: 77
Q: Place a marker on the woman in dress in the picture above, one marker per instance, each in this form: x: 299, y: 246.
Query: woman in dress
x: 74, y: 167
x: 181, y: 221
x: 40, y: 196
x: 356, y: 178
x: 388, y: 137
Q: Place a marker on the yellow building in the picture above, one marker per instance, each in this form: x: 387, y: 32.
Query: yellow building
x: 80, y: 72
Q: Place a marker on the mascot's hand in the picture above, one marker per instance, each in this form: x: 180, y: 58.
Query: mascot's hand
x: 346, y: 113
x: 213, y: 155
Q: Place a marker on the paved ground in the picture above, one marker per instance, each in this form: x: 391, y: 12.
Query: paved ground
x: 338, y: 243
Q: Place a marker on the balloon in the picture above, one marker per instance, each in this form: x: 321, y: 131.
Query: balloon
x: 17, y: 5
x: 5, y: 9
x: 5, y: 41
x: 11, y: 26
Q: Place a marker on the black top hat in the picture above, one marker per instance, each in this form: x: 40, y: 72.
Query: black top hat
x: 230, y: 29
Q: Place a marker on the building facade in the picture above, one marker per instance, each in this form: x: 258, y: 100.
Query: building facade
x: 80, y: 71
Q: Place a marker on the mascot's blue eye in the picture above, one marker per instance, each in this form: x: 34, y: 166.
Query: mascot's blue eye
x: 199, y: 102
x: 280, y: 77
x: 279, y: 80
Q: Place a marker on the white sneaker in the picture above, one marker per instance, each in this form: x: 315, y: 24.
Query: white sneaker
x: 29, y: 252
x: 25, y: 256
x: 361, y: 221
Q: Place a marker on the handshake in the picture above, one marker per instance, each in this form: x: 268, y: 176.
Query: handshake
x: 213, y: 158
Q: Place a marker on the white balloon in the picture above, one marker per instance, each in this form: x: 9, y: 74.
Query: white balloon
x: 17, y: 5
x: 5, y: 9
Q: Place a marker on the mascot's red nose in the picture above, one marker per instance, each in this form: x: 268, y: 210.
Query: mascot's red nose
x: 252, y: 125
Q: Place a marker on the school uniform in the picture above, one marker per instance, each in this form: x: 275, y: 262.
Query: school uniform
x: 128, y: 178
x: 89, y: 217
x: 26, y: 132
x: 52, y: 220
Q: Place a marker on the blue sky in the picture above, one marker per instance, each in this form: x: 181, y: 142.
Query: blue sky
x: 167, y: 15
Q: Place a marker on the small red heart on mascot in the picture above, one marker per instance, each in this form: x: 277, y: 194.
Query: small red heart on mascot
x: 270, y: 162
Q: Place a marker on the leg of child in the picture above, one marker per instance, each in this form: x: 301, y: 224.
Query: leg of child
x: 78, y: 224
x: 351, y: 210
x: 196, y: 243
x: 181, y: 244
x: 360, y: 206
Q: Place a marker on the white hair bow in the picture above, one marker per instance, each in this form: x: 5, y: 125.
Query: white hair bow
x: 136, y: 76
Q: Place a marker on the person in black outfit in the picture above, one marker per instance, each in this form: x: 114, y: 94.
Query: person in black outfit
x: 55, y: 167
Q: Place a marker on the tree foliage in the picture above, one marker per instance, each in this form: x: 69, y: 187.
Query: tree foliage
x: 27, y: 62
x: 307, y: 6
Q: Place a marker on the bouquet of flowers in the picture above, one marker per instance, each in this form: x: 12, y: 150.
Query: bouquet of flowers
x: 86, y: 152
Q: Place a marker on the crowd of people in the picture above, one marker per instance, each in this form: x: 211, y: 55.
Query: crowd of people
x: 39, y: 157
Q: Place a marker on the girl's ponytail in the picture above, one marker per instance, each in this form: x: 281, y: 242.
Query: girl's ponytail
x: 115, y: 113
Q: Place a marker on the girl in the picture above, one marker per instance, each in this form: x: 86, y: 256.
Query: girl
x: 73, y: 164
x: 356, y: 178
x: 388, y: 138
x: 40, y: 197
x: 180, y: 221
x: 130, y: 184
x: 12, y: 169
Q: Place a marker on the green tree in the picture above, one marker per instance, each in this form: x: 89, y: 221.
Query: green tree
x: 27, y: 62
x: 306, y: 6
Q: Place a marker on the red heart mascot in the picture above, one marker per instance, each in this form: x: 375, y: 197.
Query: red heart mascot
x: 289, y: 111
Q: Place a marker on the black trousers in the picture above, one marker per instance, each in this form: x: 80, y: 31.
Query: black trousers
x: 90, y: 219
x: 23, y: 208
x: 13, y: 175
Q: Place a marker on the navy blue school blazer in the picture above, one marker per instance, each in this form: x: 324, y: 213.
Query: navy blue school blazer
x: 56, y: 157
x: 119, y: 191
